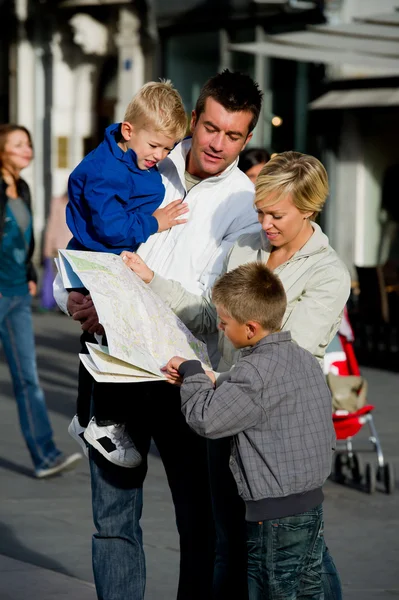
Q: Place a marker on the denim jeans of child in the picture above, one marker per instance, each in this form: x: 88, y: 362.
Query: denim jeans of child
x: 285, y: 557
x: 229, y: 516
x: 17, y: 337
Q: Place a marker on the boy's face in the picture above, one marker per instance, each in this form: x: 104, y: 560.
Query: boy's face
x: 236, y: 332
x: 149, y: 145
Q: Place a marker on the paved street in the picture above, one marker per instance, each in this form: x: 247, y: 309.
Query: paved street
x: 46, y: 527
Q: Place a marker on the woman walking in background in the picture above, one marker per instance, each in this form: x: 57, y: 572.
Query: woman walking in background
x: 17, y: 286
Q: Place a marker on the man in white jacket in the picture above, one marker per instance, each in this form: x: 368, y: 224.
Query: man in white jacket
x: 202, y: 170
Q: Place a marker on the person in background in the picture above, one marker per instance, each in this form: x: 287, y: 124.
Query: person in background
x: 252, y: 160
x: 17, y: 286
x: 57, y: 236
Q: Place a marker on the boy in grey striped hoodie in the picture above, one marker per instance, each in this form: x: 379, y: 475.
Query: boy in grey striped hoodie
x: 277, y: 407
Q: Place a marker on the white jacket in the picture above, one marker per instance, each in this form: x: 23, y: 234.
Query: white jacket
x: 221, y: 209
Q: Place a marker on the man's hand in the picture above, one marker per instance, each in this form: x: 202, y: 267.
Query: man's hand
x: 83, y: 310
x: 77, y: 301
x: 136, y: 264
x: 167, y: 216
x: 32, y: 287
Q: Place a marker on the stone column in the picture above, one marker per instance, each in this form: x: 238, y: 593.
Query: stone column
x: 130, y: 59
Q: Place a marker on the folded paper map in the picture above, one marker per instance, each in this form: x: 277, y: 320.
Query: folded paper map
x: 142, y: 332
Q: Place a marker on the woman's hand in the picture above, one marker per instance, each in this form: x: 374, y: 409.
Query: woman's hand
x: 136, y: 264
x: 32, y: 286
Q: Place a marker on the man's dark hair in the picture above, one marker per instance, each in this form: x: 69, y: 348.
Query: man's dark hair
x: 235, y: 92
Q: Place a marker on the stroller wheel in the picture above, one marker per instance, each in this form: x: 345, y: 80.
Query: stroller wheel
x: 339, y: 462
x: 389, y: 478
x: 370, y: 475
x: 356, y: 468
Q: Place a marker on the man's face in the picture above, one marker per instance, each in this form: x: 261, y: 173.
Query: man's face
x: 218, y: 138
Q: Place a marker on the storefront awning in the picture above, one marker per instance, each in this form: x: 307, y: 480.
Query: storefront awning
x: 325, y: 53
x: 363, y: 30
x: 85, y: 3
x: 369, y: 98
x: 359, y: 44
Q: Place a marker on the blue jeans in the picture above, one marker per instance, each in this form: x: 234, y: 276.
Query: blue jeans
x: 17, y: 337
x: 285, y: 556
x: 229, y: 511
x: 117, y: 496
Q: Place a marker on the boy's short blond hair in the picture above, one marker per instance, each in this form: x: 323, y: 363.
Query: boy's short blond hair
x: 158, y: 105
x: 300, y: 175
x: 252, y: 292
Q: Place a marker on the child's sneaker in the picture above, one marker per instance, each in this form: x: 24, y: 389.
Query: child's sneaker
x: 76, y: 431
x: 113, y: 442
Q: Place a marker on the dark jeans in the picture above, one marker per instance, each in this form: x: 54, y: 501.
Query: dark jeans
x: 285, y: 556
x: 117, y: 496
x: 228, y: 511
x: 230, y: 574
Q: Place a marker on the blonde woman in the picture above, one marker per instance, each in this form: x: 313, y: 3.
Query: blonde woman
x: 290, y: 192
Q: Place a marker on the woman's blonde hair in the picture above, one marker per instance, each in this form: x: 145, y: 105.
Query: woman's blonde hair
x: 300, y: 175
x: 158, y: 105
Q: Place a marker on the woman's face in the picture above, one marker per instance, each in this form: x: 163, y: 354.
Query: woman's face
x: 282, y: 222
x: 254, y: 171
x: 18, y: 152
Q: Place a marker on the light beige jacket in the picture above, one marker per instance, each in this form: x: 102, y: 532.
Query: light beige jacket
x: 316, y: 282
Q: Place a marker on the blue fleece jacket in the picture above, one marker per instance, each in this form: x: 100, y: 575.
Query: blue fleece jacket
x: 111, y: 200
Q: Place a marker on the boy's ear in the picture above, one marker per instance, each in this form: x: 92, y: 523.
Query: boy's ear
x: 252, y: 329
x: 126, y: 130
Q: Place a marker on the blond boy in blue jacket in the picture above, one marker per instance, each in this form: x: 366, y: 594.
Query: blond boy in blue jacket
x: 114, y: 198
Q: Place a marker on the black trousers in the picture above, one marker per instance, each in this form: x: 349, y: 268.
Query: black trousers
x: 98, y: 399
x: 152, y: 411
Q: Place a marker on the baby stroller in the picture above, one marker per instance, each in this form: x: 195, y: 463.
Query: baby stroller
x: 350, y: 413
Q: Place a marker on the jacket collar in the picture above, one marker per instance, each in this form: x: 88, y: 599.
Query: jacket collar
x: 179, y: 158
x: 280, y: 336
x: 315, y: 244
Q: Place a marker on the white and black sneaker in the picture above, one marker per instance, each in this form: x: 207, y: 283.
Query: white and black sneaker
x: 114, y: 443
x: 76, y: 431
